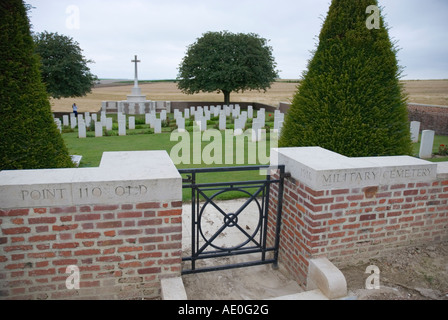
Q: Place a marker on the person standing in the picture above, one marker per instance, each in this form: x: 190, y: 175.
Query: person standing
x: 75, y: 109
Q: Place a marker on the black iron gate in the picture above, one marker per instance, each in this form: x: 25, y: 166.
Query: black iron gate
x: 211, y: 224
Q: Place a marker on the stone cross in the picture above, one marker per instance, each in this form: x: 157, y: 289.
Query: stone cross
x: 136, y: 71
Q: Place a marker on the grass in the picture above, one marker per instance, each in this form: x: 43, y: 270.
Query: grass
x: 438, y: 140
x: 143, y: 139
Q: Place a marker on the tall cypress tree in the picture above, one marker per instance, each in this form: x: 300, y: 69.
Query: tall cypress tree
x: 350, y: 100
x: 29, y: 138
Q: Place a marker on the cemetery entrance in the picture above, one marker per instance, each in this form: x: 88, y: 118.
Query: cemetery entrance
x: 244, y: 235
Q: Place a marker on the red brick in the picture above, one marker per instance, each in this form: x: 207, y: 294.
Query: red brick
x: 321, y: 200
x: 149, y: 205
x: 133, y: 264
x: 42, y: 272
x: 14, y: 212
x: 87, y: 217
x: 47, y: 220
x: 63, y: 210
x: 109, y: 224
x: 40, y: 210
x: 166, y: 213
x: 125, y: 215
x: 88, y: 252
x: 109, y: 259
x: 110, y: 243
x: 50, y: 237
x: 176, y: 204
x: 20, y: 230
x: 169, y: 229
x: 336, y: 221
x: 410, y: 192
x: 68, y: 245
x: 87, y: 235
x: 130, y: 249
x: 18, y: 248
x: 367, y: 217
x: 106, y: 208
x: 152, y: 222
x: 149, y: 270
x: 150, y: 239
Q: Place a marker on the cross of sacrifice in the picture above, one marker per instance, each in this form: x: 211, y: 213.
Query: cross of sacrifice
x: 136, y: 71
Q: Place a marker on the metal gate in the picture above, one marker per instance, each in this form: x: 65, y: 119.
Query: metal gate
x: 212, y: 224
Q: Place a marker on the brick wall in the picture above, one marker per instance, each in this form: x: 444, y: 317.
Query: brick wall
x: 357, y: 223
x: 122, y: 251
x: 431, y: 117
x: 122, y: 229
x: 349, y: 225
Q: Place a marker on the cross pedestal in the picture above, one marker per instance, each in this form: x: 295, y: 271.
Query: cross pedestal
x: 136, y: 94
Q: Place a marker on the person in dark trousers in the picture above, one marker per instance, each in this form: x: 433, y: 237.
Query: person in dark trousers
x: 75, y: 109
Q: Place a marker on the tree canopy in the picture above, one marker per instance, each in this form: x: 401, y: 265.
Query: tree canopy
x: 29, y: 138
x: 350, y: 99
x: 226, y: 62
x: 65, y: 70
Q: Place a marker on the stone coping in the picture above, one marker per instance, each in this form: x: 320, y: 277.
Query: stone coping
x: 122, y: 177
x: 321, y: 169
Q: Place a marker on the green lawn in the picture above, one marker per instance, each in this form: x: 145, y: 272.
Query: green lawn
x: 143, y: 138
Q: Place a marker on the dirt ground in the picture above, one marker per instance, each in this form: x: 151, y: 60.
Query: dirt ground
x: 415, y: 273
x: 420, y: 91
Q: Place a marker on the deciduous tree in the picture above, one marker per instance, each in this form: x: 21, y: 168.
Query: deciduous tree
x: 226, y: 62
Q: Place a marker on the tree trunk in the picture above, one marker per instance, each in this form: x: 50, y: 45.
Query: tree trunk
x: 226, y: 97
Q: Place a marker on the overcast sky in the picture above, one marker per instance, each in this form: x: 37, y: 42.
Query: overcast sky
x: 111, y: 32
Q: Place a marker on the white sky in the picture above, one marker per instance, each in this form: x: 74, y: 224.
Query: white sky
x: 111, y: 32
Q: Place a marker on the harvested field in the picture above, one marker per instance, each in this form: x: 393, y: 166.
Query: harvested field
x: 420, y: 91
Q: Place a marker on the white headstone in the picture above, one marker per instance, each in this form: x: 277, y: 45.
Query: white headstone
x: 103, y: 118
x: 122, y: 127
x: 58, y: 124
x: 158, y: 126
x: 222, y: 120
x: 181, y: 124
x: 131, y: 123
x: 256, y: 130
x: 82, y: 131
x: 73, y: 121
x: 98, y: 129
x: 187, y: 113
x: 427, y: 144
x: 94, y: 117
x: 88, y: 120
x: 66, y: 121
x: 163, y: 115
x: 415, y: 131
x: 109, y: 124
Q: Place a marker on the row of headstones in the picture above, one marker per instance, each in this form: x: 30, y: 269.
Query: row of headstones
x: 203, y: 114
x: 427, y: 141
x: 82, y: 122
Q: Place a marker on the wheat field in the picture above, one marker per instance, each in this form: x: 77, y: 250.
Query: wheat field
x: 420, y: 91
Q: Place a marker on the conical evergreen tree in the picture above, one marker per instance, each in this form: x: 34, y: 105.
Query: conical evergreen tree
x: 350, y: 100
x: 29, y: 138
